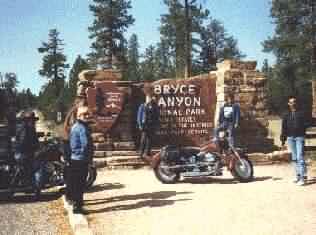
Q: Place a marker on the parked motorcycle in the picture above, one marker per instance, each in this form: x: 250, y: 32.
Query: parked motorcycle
x: 18, y: 176
x: 49, y: 170
x: 54, y: 153
x: 172, y: 162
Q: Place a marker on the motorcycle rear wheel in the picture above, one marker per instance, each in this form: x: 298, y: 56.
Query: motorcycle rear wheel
x: 165, y: 176
x: 243, y: 170
x: 6, y: 194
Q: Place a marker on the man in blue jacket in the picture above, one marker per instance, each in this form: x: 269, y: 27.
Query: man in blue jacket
x: 81, y: 156
x: 147, y: 122
x: 229, y: 118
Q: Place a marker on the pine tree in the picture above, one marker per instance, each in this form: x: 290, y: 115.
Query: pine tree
x: 177, y: 28
x: 79, y: 65
x: 53, y: 68
x: 194, y: 16
x: 25, y: 100
x: 217, y: 45
x: 231, y: 50
x: 273, y: 88
x: 47, y: 101
x: 54, y: 61
x: 293, y: 45
x: 108, y: 28
x: 163, y: 61
x: 31, y: 98
x: 148, y: 65
x: 133, y: 59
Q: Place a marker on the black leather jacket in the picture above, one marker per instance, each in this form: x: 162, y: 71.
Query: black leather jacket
x: 293, y: 125
x: 26, y: 139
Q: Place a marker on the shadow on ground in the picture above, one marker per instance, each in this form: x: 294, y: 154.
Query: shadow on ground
x: 310, y: 181
x: 28, y: 198
x: 155, y: 199
x: 105, y: 186
x: 212, y: 180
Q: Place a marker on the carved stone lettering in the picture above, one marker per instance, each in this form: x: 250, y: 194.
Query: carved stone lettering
x: 187, y: 109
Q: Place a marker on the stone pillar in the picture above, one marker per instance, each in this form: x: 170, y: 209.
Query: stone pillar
x: 249, y: 87
x: 314, y: 99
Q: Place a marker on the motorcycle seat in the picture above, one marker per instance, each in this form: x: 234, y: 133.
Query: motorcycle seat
x: 189, y: 151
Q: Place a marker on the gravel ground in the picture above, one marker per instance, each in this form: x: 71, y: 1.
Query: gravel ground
x: 133, y: 202
x: 24, y: 216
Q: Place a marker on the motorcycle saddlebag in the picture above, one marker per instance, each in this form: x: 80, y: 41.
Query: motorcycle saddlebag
x: 170, y: 153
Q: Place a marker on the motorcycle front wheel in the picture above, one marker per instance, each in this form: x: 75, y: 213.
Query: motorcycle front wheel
x: 165, y: 175
x: 243, y: 170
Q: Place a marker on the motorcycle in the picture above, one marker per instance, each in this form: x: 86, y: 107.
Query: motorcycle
x: 54, y: 153
x: 172, y: 162
x: 49, y: 169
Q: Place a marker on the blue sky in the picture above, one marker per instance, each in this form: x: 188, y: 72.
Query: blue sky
x: 25, y: 24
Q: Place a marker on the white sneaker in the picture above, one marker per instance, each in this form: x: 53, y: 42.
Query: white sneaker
x: 296, y: 179
x: 300, y: 183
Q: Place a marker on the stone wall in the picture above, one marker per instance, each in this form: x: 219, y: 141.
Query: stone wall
x: 249, y: 87
x: 314, y: 98
x: 113, y: 105
x: 114, y: 123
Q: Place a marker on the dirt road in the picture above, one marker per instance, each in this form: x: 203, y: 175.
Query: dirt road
x: 22, y: 215
x: 133, y: 202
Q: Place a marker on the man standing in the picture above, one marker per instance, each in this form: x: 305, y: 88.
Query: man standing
x: 229, y: 118
x: 147, y: 122
x: 81, y: 156
x: 26, y: 145
x: 26, y: 138
x: 293, y: 130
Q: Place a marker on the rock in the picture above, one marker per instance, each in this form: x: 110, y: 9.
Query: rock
x: 100, y: 75
x: 237, y: 64
x: 98, y: 137
x: 102, y: 146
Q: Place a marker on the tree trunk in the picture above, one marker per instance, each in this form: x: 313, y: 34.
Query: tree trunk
x: 187, y: 47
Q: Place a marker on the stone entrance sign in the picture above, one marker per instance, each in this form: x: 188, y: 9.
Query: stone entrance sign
x: 105, y: 101
x: 187, y: 109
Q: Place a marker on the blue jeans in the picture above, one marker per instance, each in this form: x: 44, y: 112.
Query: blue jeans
x: 229, y: 127
x: 296, y: 145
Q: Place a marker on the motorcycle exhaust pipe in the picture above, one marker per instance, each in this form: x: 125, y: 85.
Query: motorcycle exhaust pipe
x: 185, y: 165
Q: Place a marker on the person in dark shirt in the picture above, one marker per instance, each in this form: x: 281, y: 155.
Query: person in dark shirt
x: 148, y: 123
x: 293, y: 131
x: 27, y: 144
x: 229, y: 118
